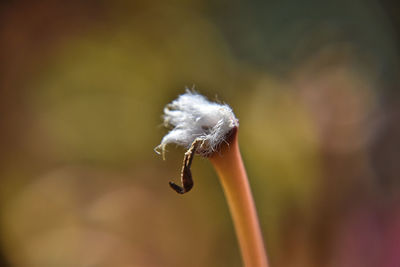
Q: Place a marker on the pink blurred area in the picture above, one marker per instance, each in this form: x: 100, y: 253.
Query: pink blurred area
x: 82, y: 89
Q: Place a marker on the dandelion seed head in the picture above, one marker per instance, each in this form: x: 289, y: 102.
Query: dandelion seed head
x: 192, y: 117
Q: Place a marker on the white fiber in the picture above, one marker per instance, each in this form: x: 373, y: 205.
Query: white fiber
x: 192, y: 117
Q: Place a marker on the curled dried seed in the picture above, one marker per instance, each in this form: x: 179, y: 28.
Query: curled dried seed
x: 186, y: 174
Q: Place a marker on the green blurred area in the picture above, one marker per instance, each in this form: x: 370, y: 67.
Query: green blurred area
x: 83, y: 86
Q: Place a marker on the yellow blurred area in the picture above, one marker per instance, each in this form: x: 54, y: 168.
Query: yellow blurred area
x: 82, y: 90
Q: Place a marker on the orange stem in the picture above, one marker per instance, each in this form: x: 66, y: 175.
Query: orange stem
x: 229, y: 166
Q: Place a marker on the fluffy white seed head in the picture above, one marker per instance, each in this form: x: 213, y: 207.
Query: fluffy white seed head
x: 192, y: 117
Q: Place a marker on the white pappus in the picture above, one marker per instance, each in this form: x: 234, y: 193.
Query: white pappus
x: 194, y: 118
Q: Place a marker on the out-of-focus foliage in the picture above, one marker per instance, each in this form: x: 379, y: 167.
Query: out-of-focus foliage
x: 82, y: 88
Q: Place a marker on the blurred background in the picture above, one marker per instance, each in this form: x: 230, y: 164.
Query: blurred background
x: 82, y: 88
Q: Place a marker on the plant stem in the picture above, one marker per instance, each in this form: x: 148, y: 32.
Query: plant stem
x: 229, y: 166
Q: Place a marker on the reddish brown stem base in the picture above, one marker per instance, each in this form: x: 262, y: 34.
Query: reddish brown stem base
x: 229, y: 166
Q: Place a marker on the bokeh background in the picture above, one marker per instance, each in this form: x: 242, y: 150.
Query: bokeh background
x: 82, y: 88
